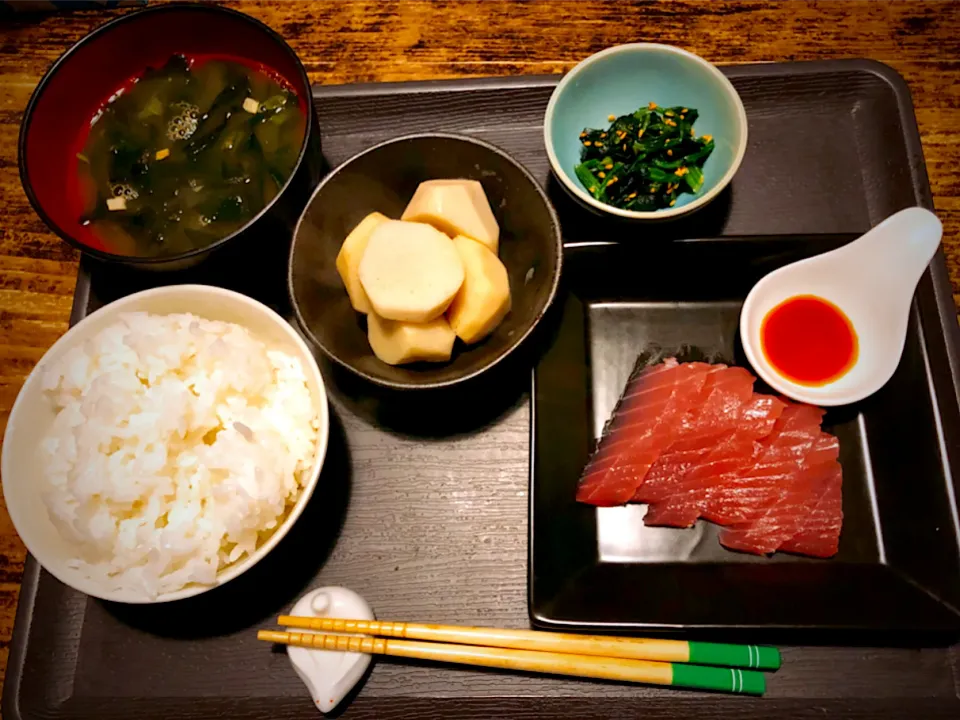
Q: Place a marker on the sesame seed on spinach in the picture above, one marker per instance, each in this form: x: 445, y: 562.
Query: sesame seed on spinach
x: 644, y: 160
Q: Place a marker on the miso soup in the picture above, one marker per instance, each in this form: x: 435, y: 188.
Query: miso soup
x: 186, y: 154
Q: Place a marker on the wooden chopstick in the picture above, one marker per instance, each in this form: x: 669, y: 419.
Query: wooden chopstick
x: 747, y: 682
x: 677, y: 651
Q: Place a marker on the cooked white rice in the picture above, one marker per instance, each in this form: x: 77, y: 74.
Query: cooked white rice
x: 178, y: 446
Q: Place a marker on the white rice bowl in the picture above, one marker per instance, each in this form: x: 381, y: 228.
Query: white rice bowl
x: 169, y: 451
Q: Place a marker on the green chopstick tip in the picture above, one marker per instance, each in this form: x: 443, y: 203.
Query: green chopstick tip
x: 734, y: 680
x: 756, y: 657
x: 752, y: 683
x: 769, y: 658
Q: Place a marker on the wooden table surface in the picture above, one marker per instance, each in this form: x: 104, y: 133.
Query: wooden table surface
x: 353, y: 41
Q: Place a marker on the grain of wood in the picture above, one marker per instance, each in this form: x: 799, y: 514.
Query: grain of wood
x: 356, y: 41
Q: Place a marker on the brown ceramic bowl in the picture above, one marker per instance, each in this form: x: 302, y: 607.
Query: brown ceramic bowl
x: 384, y: 179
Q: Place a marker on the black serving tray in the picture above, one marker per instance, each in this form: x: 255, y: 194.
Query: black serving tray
x: 422, y: 506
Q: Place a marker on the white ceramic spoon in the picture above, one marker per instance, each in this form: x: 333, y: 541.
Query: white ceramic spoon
x: 330, y: 675
x: 872, y: 280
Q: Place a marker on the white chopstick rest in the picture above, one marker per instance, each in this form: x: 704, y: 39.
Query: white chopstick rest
x: 330, y: 675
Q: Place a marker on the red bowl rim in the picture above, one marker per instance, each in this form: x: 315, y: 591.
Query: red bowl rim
x: 102, y: 30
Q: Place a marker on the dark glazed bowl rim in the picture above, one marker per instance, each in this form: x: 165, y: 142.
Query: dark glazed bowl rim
x: 431, y: 385
x: 103, y: 30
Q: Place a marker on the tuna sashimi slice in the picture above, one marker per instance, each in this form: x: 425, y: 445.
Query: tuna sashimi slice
x: 645, y: 422
x: 678, y: 513
x: 728, y: 457
x: 693, y: 441
x: 724, y: 393
x: 735, y: 462
x: 688, y: 497
x: 704, y: 458
x: 680, y: 503
x: 820, y: 536
x: 787, y: 515
x: 760, y: 415
x: 748, y: 495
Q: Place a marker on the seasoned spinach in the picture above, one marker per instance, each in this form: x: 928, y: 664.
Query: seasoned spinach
x: 644, y: 160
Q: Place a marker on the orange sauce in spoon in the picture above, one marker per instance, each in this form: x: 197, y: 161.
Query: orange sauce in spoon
x: 809, y: 340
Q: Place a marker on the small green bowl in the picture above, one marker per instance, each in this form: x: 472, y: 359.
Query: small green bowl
x: 617, y: 81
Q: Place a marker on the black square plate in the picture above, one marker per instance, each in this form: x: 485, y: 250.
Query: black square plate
x: 602, y: 568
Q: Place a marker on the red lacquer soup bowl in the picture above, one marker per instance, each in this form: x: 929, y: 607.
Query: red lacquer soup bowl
x: 59, y: 115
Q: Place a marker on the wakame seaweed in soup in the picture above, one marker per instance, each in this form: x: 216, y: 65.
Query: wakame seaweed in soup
x: 187, y: 154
